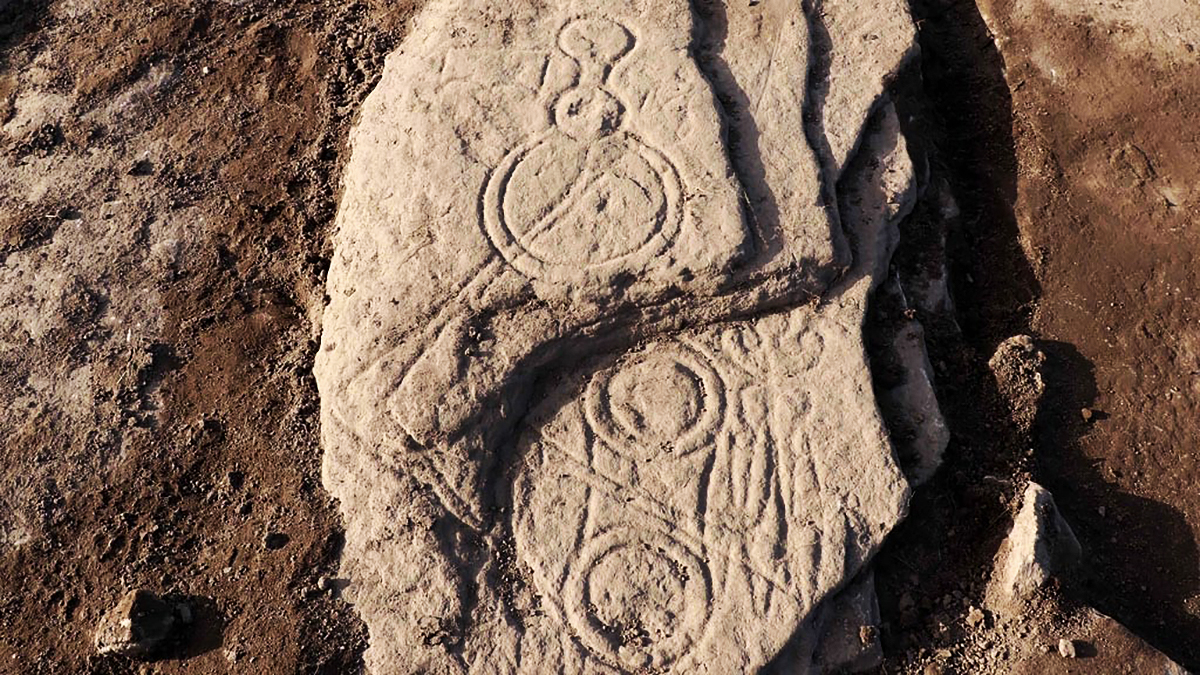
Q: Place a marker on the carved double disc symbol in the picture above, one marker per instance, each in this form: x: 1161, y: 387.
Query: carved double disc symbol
x: 667, y: 399
x: 638, y: 599
x: 587, y: 195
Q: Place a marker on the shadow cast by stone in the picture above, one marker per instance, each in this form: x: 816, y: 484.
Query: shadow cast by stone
x: 1140, y: 553
x: 18, y: 18
x: 204, y: 633
x: 958, y: 112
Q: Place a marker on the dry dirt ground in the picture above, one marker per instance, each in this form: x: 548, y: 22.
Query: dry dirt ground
x: 170, y: 173
x: 1072, y: 158
x: 1108, y: 208
x: 168, y: 180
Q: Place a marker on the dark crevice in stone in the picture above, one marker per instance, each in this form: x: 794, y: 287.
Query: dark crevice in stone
x: 739, y: 129
x: 816, y: 90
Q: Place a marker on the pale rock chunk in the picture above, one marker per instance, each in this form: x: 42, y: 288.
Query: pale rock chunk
x: 1040, y: 545
x: 535, y: 189
x: 1017, y: 366
x: 138, y: 626
x: 1066, y: 648
x: 914, y: 401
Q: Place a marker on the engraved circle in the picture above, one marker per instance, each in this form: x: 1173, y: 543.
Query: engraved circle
x: 559, y: 205
x: 638, y: 599
x: 740, y: 344
x: 812, y: 345
x: 666, y: 398
x: 585, y: 196
x: 595, y: 40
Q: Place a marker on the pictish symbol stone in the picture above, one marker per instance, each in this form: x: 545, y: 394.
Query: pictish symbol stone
x: 588, y: 193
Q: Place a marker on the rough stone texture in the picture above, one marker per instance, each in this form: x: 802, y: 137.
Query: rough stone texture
x: 535, y: 190
x: 1066, y: 648
x: 850, y: 638
x: 1017, y: 366
x: 1040, y: 545
x: 858, y: 47
x: 137, y: 627
x: 698, y: 488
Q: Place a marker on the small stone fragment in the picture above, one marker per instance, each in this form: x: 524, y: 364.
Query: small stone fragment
x: 975, y: 617
x: 1040, y: 545
x: 1017, y: 366
x: 1086, y: 413
x: 1066, y: 648
x: 912, y: 405
x: 137, y: 627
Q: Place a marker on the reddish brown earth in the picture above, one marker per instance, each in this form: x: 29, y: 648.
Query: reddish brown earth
x: 1109, y: 209
x: 202, y: 439
x: 1078, y: 226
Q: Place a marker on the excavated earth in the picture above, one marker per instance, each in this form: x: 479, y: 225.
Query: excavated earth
x: 188, y: 225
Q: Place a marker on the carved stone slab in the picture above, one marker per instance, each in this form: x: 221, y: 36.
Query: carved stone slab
x: 707, y: 486
x: 583, y: 405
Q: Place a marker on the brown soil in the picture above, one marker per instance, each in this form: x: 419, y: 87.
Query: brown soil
x: 196, y: 469
x: 1108, y: 207
x: 199, y: 473
x: 1078, y: 227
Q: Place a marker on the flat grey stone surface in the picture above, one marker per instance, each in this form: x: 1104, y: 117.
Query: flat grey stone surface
x: 594, y: 392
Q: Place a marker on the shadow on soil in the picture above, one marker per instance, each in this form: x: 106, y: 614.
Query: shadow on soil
x: 956, y: 105
x: 206, y: 631
x: 936, y: 562
x: 942, y: 553
x: 18, y: 18
x: 1155, y: 566
x: 956, y: 110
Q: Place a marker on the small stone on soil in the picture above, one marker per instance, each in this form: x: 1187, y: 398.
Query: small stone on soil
x: 1066, y: 648
x: 975, y: 617
x: 137, y: 627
